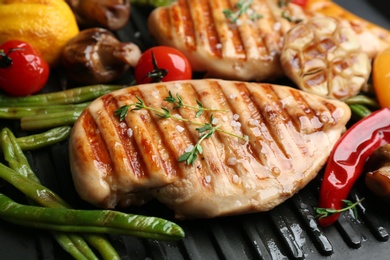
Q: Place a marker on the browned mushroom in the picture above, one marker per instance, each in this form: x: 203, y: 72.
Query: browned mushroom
x: 96, y: 56
x: 378, y: 176
x: 109, y: 14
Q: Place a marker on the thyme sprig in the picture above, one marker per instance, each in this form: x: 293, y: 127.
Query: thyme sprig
x: 241, y: 8
x: 326, y: 212
x: 206, y: 130
x: 178, y: 101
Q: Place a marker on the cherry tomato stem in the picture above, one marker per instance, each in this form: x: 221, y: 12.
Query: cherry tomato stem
x: 162, y: 64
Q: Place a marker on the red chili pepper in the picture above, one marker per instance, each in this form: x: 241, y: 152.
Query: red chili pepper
x: 347, y: 159
x: 302, y: 3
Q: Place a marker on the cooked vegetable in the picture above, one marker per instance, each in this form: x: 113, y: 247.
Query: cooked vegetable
x: 162, y: 63
x: 36, y: 141
x: 109, y: 14
x: 69, y: 96
x: 154, y: 3
x: 302, y: 3
x: 14, y: 112
x: 72, y: 243
x: 22, y: 69
x: 381, y: 77
x: 47, y: 25
x: 373, y: 37
x: 377, y: 177
x: 324, y: 57
x: 96, y: 56
x: 88, y: 221
x: 347, y: 160
x: 50, y: 120
x: 52, y: 109
x: 23, y: 178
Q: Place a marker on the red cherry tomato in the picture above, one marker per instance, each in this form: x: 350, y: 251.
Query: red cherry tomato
x: 22, y: 70
x: 162, y: 63
x: 302, y: 3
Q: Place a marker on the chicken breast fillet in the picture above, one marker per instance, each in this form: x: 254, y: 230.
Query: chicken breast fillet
x: 269, y: 142
x: 246, y: 48
x: 244, y: 43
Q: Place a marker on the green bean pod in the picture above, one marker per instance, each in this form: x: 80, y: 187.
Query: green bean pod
x: 13, y: 112
x: 30, y: 188
x: 359, y: 110
x: 75, y: 245
x: 72, y: 243
x: 153, y: 3
x: 69, y: 96
x: 362, y: 100
x: 44, y: 139
x: 39, y: 122
x: 88, y: 221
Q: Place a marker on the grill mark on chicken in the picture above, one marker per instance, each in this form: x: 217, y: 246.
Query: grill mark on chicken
x: 233, y: 160
x: 162, y: 164
x: 126, y: 140
x: 306, y: 120
x: 203, y: 166
x: 269, y: 115
x: 209, y: 25
x: 183, y: 19
x: 98, y: 148
x: 263, y: 150
x: 263, y: 176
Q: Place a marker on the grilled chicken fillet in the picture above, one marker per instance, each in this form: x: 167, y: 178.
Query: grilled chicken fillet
x: 290, y: 134
x: 246, y: 49
x: 249, y: 47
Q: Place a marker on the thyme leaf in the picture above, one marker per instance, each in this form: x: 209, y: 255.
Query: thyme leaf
x: 178, y: 102
x: 241, y: 8
x: 326, y: 212
x: 206, y: 130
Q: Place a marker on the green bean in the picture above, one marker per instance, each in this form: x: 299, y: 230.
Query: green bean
x: 88, y: 221
x: 30, y: 188
x: 359, y: 110
x: 75, y: 245
x: 362, y: 100
x: 154, y: 3
x: 13, y: 112
x: 68, y: 245
x: 106, y: 250
x: 49, y: 137
x: 17, y: 160
x: 50, y: 120
x: 69, y: 96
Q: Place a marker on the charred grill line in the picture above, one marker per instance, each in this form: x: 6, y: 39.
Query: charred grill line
x: 98, y: 146
x: 169, y: 164
x: 213, y: 37
x: 236, y: 39
x: 188, y: 26
x: 230, y: 143
x: 128, y: 142
x: 272, y: 131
